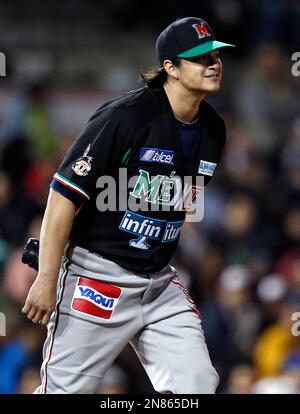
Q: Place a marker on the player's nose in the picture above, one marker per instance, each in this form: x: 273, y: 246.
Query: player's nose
x: 214, y: 66
x: 214, y: 63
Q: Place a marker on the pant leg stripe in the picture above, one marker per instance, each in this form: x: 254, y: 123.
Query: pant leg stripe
x: 55, y: 322
x: 192, y: 305
x: 50, y: 328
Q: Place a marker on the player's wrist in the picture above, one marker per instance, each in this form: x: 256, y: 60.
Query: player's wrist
x: 47, y: 276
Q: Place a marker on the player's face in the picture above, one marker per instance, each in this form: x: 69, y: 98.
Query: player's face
x: 202, y: 73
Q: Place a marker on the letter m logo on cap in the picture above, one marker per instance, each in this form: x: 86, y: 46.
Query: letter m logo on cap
x: 202, y: 30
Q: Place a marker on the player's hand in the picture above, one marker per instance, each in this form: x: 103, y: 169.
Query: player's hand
x: 40, y: 302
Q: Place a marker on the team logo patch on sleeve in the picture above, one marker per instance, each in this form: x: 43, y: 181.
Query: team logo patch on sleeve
x: 95, y: 298
x: 206, y: 168
x: 84, y: 164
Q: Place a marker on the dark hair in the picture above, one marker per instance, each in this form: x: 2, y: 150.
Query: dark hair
x: 156, y: 76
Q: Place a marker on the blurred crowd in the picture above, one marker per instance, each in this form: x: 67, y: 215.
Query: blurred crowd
x: 241, y: 263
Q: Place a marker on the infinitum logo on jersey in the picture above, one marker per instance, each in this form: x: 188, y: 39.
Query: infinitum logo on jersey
x: 148, y: 228
x: 95, y: 298
x: 206, y: 168
x: 157, y: 155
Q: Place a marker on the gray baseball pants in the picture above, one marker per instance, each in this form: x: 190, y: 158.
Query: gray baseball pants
x: 101, y: 307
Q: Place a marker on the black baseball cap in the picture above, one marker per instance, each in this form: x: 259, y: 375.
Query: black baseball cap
x: 186, y: 38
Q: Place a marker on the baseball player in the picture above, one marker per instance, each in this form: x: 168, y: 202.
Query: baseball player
x: 115, y: 284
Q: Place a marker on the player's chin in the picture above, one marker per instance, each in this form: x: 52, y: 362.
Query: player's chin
x: 212, y: 86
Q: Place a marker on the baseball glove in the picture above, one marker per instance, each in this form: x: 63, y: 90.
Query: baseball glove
x: 30, y: 254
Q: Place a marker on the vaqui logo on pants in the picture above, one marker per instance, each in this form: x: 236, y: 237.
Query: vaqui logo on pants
x: 95, y: 298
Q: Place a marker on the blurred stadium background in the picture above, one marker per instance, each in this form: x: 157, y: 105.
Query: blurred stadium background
x: 242, y: 263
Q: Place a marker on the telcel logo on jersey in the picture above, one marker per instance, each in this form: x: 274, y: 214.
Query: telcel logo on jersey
x: 206, y: 168
x: 157, y: 155
x: 95, y: 298
x: 149, y: 228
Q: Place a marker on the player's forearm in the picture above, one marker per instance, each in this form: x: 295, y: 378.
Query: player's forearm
x: 55, y: 231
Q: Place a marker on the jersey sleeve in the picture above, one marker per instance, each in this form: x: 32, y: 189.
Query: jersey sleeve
x: 95, y: 151
x: 71, y: 195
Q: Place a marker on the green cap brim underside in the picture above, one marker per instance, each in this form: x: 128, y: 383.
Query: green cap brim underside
x: 204, y: 48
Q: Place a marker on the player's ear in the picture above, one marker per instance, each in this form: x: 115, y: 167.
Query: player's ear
x: 170, y: 68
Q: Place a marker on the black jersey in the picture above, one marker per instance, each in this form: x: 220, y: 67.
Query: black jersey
x: 138, y: 133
